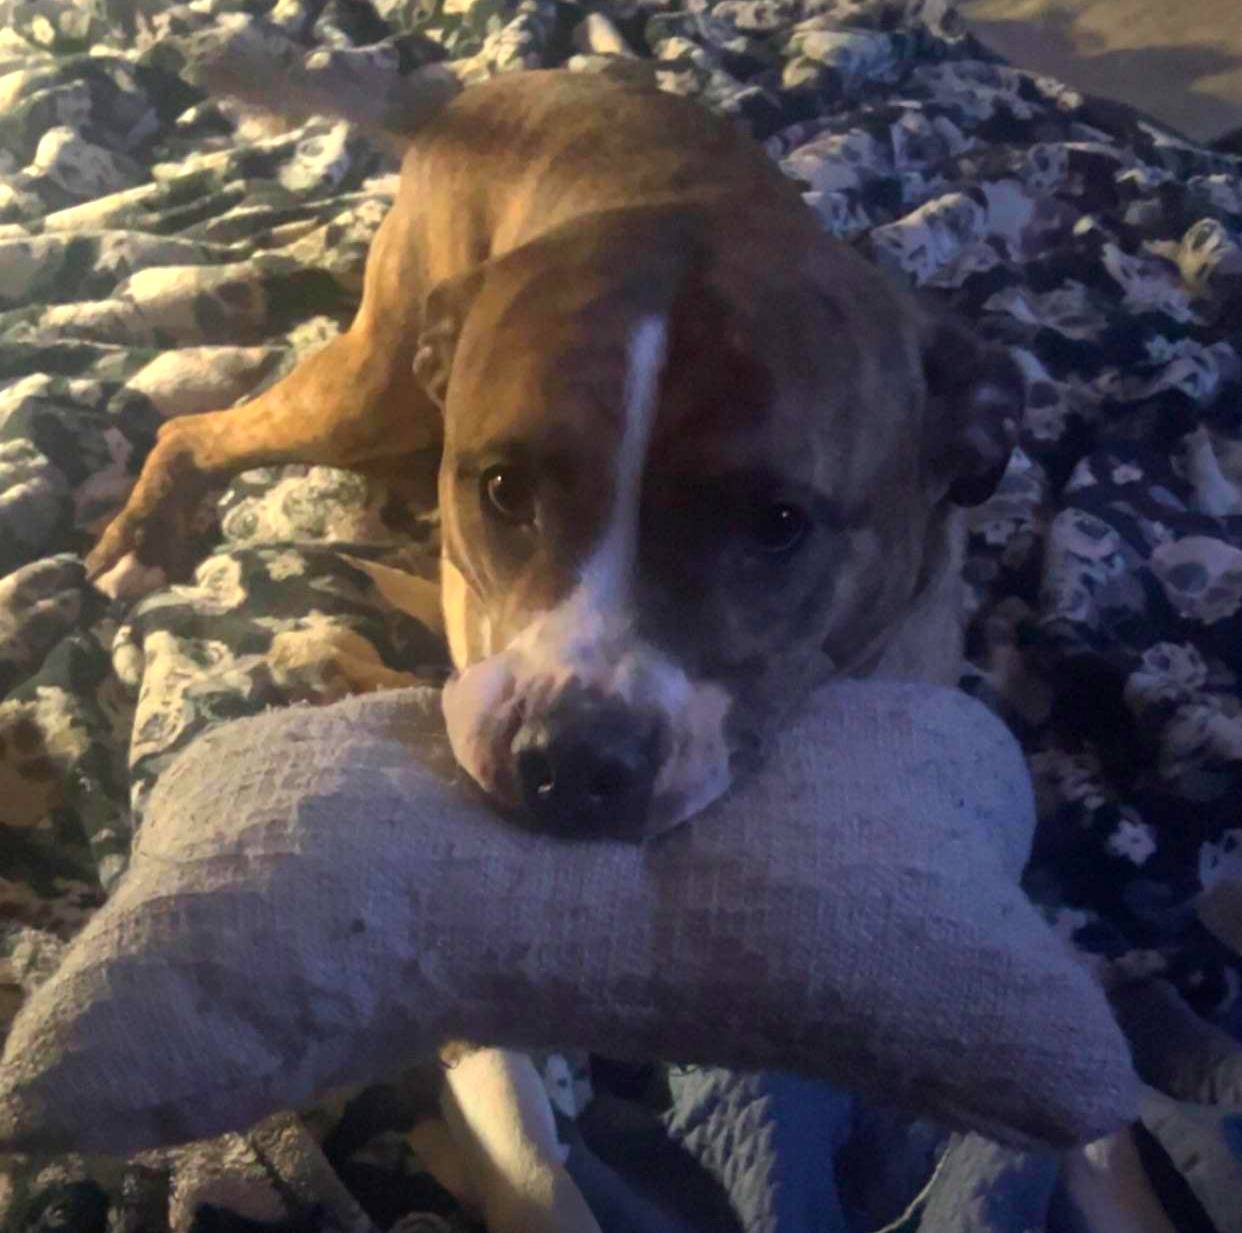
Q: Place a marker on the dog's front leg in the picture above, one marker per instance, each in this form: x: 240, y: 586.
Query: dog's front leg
x: 355, y: 402
x: 498, y: 1112
x: 345, y: 405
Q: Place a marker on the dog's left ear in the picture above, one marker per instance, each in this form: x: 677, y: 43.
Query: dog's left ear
x: 975, y: 399
x: 444, y: 310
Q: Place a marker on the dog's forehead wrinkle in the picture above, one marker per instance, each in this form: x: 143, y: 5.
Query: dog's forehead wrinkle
x: 565, y: 400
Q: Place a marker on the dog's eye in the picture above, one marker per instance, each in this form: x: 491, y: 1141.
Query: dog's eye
x: 508, y: 493
x: 777, y: 529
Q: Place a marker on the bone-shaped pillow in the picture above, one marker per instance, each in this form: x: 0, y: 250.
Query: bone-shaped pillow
x: 317, y: 897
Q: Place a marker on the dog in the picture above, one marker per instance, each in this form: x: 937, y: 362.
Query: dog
x: 697, y: 457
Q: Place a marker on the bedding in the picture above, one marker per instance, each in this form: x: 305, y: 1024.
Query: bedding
x: 162, y: 253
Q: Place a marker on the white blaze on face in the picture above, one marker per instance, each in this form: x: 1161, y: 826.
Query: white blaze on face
x: 589, y: 639
x: 608, y: 574
x: 594, y: 618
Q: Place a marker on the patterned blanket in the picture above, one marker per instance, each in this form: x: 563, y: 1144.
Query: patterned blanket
x: 162, y: 253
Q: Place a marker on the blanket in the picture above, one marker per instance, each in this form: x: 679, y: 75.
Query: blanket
x: 163, y: 253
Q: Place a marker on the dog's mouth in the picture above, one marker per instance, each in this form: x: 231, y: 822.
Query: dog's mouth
x: 576, y: 760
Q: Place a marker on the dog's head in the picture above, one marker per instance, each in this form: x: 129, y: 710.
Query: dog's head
x: 683, y: 483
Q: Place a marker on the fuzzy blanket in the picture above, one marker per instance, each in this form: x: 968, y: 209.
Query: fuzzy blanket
x: 163, y: 254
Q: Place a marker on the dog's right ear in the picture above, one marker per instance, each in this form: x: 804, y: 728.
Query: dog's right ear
x: 444, y: 311
x: 975, y: 398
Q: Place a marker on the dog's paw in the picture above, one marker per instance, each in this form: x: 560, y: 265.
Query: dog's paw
x: 139, y: 552
x: 127, y: 579
x: 160, y: 526
x: 120, y: 540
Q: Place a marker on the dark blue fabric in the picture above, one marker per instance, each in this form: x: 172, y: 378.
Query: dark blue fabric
x: 770, y: 1140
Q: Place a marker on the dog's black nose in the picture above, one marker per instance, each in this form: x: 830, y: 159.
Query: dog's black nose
x: 587, y: 767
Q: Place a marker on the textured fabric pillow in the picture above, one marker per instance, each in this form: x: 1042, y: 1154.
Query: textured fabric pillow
x: 316, y: 898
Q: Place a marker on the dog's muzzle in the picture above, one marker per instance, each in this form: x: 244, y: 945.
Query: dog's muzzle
x: 616, y: 745
x: 587, y: 766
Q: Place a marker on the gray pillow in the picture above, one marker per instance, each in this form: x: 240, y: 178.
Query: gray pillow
x: 316, y: 898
